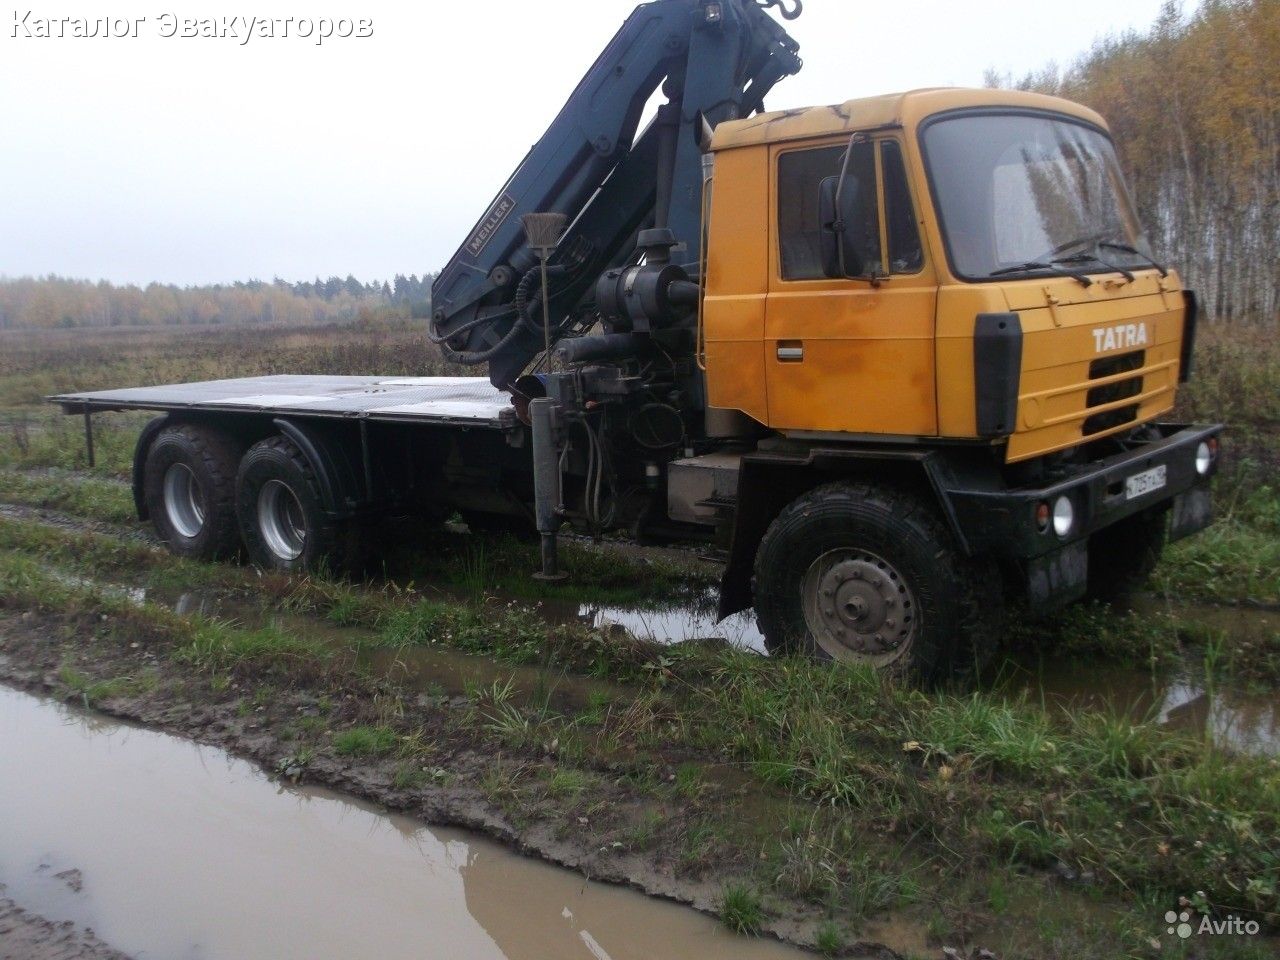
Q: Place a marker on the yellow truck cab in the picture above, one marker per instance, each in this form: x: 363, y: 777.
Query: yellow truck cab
x: 957, y: 191
x: 944, y: 293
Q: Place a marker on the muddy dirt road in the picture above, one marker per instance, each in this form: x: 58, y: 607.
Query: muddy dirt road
x: 582, y: 730
x: 27, y: 936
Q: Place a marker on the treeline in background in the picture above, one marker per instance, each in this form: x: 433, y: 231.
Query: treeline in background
x: 1194, y: 104
x: 59, y: 302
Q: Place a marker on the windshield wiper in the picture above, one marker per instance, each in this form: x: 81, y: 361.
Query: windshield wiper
x: 1094, y: 258
x: 1031, y: 265
x: 1130, y: 249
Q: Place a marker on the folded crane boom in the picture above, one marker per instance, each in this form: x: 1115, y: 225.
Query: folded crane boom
x: 714, y: 60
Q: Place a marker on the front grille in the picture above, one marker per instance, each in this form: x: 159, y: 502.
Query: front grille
x: 1114, y: 392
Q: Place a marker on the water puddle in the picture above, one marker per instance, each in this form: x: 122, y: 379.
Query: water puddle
x: 134, y: 595
x: 1228, y: 717
x: 680, y: 623
x: 1224, y: 714
x: 169, y: 849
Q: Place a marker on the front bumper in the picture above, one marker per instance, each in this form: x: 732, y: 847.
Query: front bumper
x: 1004, y: 523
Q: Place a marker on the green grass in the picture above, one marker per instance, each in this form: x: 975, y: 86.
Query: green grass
x: 689, y: 783
x: 568, y: 783
x: 93, y: 692
x: 1096, y: 792
x: 409, y: 776
x: 365, y: 742
x: 80, y: 496
x: 829, y: 941
x: 44, y: 438
x: 1237, y: 558
x: 91, y: 555
x: 741, y: 910
x: 215, y: 645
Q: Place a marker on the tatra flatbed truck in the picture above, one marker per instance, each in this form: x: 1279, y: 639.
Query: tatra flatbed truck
x: 903, y: 358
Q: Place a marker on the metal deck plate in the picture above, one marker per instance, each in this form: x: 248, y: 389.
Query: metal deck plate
x: 465, y: 400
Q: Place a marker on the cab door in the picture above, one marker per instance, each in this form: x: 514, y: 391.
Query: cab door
x: 852, y: 356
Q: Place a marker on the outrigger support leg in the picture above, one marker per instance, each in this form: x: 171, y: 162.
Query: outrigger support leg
x: 546, y: 485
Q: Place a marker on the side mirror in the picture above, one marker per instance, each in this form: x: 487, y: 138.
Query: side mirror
x: 841, y: 241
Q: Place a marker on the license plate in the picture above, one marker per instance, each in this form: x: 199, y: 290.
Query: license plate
x: 1141, y: 484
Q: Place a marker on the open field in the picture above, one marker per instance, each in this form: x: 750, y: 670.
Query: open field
x: 823, y: 805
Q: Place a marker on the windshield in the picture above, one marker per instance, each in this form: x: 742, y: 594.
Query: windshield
x: 1019, y: 190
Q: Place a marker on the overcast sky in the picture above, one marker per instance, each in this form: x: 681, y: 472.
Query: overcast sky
x: 201, y: 160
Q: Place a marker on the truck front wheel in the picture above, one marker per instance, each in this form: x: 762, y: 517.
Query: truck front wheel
x: 188, y: 482
x: 855, y: 573
x: 282, y: 518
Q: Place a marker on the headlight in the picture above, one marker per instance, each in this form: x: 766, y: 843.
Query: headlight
x: 1064, y: 516
x: 1204, y: 459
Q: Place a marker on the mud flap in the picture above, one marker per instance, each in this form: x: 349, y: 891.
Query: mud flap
x: 1192, y: 512
x: 1059, y: 578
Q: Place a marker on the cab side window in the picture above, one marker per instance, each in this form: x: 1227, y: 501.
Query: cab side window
x: 800, y: 176
x: 800, y: 229
x: 906, y: 254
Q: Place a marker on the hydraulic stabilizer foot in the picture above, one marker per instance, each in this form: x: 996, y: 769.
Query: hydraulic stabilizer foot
x: 546, y: 486
x: 550, y: 572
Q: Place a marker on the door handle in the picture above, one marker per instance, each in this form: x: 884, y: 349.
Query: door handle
x: 791, y: 351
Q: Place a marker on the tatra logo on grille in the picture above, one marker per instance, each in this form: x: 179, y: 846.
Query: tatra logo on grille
x: 1124, y: 336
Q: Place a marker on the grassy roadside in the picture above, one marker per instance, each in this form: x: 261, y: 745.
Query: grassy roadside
x: 970, y: 786
x: 1238, y: 558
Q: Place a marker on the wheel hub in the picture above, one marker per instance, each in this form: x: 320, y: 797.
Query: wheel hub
x: 281, y: 521
x: 859, y: 608
x: 183, y: 501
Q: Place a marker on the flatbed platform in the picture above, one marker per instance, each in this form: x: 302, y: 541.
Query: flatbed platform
x: 460, y: 401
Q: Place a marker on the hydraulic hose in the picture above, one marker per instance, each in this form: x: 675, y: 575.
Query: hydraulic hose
x: 521, y: 322
x: 788, y: 13
x: 524, y: 294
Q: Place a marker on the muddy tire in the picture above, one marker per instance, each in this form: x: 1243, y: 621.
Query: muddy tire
x: 1123, y: 556
x: 858, y: 574
x: 189, y: 484
x: 282, y: 517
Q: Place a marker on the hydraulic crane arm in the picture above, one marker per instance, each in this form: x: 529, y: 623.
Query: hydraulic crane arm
x: 714, y: 60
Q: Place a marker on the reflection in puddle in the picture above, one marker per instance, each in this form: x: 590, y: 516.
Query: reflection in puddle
x: 1250, y: 724
x: 679, y: 624
x: 1227, y: 717
x: 181, y: 851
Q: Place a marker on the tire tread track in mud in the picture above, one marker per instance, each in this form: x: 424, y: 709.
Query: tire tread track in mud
x: 26, y: 936
x: 66, y: 521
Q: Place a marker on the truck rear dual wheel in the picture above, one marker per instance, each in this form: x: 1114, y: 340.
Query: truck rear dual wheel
x: 859, y: 574
x: 189, y: 485
x: 282, y: 518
